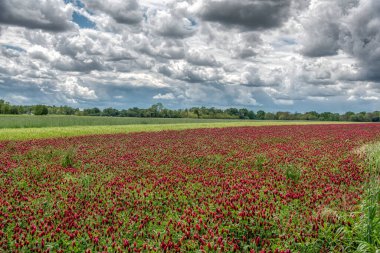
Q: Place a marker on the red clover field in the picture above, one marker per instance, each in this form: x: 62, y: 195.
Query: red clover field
x: 237, y: 189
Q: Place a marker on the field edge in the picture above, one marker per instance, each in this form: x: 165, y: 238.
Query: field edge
x: 15, y: 134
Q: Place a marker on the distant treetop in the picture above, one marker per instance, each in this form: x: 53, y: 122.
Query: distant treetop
x: 159, y: 111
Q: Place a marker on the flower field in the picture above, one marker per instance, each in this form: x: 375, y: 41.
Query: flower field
x: 242, y: 189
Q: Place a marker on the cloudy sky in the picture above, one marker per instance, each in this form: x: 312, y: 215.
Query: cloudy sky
x: 294, y: 55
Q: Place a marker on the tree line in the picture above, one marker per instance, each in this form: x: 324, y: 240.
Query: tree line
x: 159, y: 111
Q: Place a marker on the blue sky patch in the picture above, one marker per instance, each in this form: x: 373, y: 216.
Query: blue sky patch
x: 78, y: 18
x: 82, y: 21
x: 193, y: 22
x: 289, y: 41
x: 16, y: 48
x: 75, y: 3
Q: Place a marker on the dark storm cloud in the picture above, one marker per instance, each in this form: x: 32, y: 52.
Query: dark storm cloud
x: 165, y: 70
x: 202, y: 59
x: 323, y: 28
x: 350, y: 26
x: 199, y: 75
x: 125, y: 12
x: 50, y: 15
x: 126, y: 94
x: 175, y: 27
x: 24, y: 92
x: 244, y: 52
x: 13, y: 90
x: 251, y: 14
x: 247, y: 47
x: 324, y: 40
x: 163, y: 49
x: 175, y: 30
x: 73, y: 65
x: 278, y: 54
x: 191, y: 73
x: 11, y: 51
x: 362, y: 37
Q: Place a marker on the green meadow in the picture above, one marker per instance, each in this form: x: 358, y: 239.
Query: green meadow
x: 33, y: 121
x: 26, y: 127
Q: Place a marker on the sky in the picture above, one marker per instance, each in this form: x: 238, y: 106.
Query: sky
x: 272, y: 55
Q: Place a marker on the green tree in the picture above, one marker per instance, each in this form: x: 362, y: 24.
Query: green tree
x: 243, y: 113
x: 283, y: 116
x: 155, y: 110
x: 269, y: 116
x: 40, y: 110
x: 197, y: 112
x: 92, y: 111
x: 110, y: 112
x: 260, y: 115
x: 251, y: 115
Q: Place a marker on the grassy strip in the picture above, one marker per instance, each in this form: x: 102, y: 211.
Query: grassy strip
x: 364, y: 236
x: 53, y: 132
x: 361, y: 232
x: 33, y: 121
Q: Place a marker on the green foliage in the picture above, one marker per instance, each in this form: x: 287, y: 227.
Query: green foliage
x: 369, y: 225
x: 37, y: 172
x: 92, y: 111
x: 40, y: 110
x: 32, y: 121
x: 159, y: 111
x: 360, y: 234
x: 7, y: 108
x: 260, y: 115
x: 292, y: 172
x: 68, y: 158
x: 363, y: 233
x: 260, y: 161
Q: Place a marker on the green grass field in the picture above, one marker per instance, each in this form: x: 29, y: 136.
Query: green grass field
x: 32, y: 121
x: 153, y: 125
